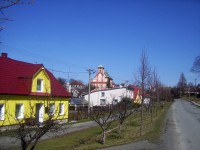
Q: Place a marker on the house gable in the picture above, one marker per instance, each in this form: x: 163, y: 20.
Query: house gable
x: 41, y: 82
x: 20, y: 78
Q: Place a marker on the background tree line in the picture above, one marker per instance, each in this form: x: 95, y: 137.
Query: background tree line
x: 184, y: 88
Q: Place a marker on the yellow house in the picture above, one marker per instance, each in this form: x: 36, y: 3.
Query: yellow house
x: 29, y: 91
x: 137, y: 95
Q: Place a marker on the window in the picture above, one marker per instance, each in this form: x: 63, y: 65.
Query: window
x: 115, y: 101
x: 100, y: 78
x: 39, y: 85
x: 102, y: 102
x: 102, y: 94
x: 61, y: 109
x: 2, y: 111
x: 52, y: 109
x: 19, y: 111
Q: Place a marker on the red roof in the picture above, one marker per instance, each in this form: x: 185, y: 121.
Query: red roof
x: 135, y: 91
x: 16, y: 78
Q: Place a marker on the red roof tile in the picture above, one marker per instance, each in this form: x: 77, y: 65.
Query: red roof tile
x: 16, y: 78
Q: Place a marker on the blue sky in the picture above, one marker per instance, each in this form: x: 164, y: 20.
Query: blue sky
x: 75, y: 35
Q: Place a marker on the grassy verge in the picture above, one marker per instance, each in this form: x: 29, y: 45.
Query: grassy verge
x: 192, y: 98
x: 88, y: 139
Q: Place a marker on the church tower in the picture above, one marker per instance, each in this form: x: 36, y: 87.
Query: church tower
x: 102, y: 79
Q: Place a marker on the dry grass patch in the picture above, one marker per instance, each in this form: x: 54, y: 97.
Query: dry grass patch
x: 89, y: 139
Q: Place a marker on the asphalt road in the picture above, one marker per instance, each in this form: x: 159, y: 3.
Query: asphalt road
x: 182, y: 131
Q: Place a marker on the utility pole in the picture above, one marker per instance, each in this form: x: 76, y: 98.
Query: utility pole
x: 195, y: 80
x: 90, y: 71
x: 189, y: 93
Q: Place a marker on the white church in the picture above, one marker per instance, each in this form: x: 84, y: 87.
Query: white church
x: 102, y: 79
x: 105, y: 92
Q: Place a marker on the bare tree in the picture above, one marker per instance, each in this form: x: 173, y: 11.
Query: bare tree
x: 103, y: 116
x: 4, y: 4
x: 153, y: 92
x: 62, y: 81
x: 154, y: 86
x: 30, y: 136
x: 143, y: 80
x: 8, y: 3
x: 196, y: 65
x: 124, y: 109
x: 165, y: 93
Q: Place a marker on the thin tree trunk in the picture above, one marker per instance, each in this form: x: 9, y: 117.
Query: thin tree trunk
x: 141, y: 120
x: 120, y: 128
x: 23, y: 144
x: 104, y: 137
x: 151, y: 114
x: 34, y: 144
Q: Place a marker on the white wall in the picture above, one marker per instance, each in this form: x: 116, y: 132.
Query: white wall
x: 97, y: 98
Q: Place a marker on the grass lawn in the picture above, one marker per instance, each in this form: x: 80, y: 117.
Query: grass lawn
x: 192, y: 98
x: 197, y: 100
x: 89, y: 139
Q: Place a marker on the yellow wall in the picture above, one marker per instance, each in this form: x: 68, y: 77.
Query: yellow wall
x: 41, y: 74
x: 138, y: 99
x: 30, y: 107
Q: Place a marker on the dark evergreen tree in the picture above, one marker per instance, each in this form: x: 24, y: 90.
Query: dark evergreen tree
x: 62, y: 81
x: 196, y: 65
x: 108, y: 83
x: 182, y: 84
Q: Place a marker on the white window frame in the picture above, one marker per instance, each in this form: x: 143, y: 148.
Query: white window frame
x: 2, y: 111
x: 52, y: 109
x: 115, y: 101
x: 19, y: 112
x: 61, y: 109
x: 102, y: 94
x: 102, y: 102
x: 41, y: 86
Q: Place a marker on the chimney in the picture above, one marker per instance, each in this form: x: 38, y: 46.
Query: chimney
x: 4, y: 55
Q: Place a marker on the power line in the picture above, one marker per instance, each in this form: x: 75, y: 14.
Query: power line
x: 67, y: 72
x: 30, y: 54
